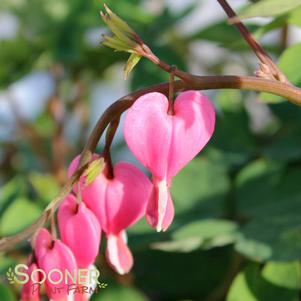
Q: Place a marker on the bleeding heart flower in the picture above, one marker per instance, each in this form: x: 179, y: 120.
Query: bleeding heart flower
x: 117, y: 203
x: 80, y: 230
x: 54, y: 255
x: 29, y: 292
x: 165, y: 143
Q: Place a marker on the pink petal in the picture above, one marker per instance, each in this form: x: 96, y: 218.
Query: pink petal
x: 126, y: 197
x: 41, y: 242
x: 118, y: 254
x: 119, y: 202
x: 78, y: 224
x: 94, y: 194
x: 193, y: 126
x: 165, y: 143
x: 58, y: 257
x: 148, y: 132
x: 30, y: 291
x: 160, y: 209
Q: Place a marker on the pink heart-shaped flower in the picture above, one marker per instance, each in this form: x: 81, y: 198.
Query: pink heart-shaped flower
x: 118, y: 203
x: 80, y: 230
x: 165, y: 143
x: 55, y: 259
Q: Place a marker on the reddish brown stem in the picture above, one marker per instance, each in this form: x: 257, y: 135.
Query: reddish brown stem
x: 258, y: 50
x: 107, y: 150
x: 147, y: 53
x: 171, y: 110
x: 53, y: 225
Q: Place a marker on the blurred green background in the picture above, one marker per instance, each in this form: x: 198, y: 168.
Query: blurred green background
x: 237, y: 231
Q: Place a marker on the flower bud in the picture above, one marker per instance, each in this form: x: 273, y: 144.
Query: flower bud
x: 80, y: 230
x: 31, y: 289
x: 55, y: 259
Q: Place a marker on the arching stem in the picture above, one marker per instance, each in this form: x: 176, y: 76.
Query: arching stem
x: 289, y: 92
x: 107, y: 150
x: 171, y: 110
x: 53, y: 225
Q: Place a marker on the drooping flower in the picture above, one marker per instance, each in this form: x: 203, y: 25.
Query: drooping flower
x: 54, y: 258
x: 117, y: 203
x: 165, y: 143
x: 80, y: 230
x: 29, y: 290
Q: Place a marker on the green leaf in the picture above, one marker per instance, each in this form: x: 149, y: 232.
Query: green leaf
x: 290, y: 65
x: 6, y: 262
x: 269, y: 8
x: 18, y: 215
x: 131, y: 63
x: 118, y: 293
x: 118, y: 22
x: 17, y: 57
x: 223, y: 34
x: 274, y: 24
x: 232, y: 137
x: 130, y: 11
x: 285, y: 147
x: 276, y: 282
x: 211, y: 232
x: 265, y: 176
x: 45, y: 185
x: 190, y: 276
x: 219, y: 32
x: 116, y: 44
x: 283, y: 274
x: 203, y: 234
x: 268, y: 198
x: 93, y: 170
x: 295, y: 17
x: 192, y: 191
x: 141, y: 236
x: 276, y: 190
x: 124, y: 38
x: 6, y: 293
x: 10, y: 191
x: 273, y: 238
x: 182, y: 246
x: 241, y: 288
x: 206, y: 229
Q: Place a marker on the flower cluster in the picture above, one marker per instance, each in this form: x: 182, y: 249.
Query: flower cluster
x: 164, y: 144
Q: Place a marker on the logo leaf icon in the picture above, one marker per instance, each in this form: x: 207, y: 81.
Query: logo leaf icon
x: 102, y: 285
x: 10, y: 276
